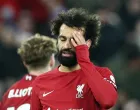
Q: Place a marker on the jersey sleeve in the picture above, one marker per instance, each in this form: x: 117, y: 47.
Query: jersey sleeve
x: 103, y: 91
x: 107, y: 76
x: 35, y: 101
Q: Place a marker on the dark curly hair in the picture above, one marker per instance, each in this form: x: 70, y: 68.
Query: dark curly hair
x: 37, y: 50
x: 78, y: 17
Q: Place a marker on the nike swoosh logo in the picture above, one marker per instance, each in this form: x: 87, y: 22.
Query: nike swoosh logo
x: 45, y: 94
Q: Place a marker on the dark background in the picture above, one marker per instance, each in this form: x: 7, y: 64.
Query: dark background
x: 118, y: 49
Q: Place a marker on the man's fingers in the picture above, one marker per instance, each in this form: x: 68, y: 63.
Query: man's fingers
x: 81, y: 37
x: 73, y: 42
x: 76, y: 38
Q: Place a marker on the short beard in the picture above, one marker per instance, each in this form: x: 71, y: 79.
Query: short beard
x: 67, y: 61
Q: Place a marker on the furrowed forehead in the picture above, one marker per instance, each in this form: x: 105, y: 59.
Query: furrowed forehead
x: 67, y: 31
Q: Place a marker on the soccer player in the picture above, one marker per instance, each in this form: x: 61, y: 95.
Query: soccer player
x: 37, y: 54
x: 77, y: 84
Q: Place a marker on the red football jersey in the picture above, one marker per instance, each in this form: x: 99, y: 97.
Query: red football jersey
x: 18, y: 95
x: 89, y: 88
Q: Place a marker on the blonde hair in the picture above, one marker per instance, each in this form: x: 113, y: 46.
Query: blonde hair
x: 37, y: 50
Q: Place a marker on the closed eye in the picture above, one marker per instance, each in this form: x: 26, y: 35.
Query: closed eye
x: 62, y: 38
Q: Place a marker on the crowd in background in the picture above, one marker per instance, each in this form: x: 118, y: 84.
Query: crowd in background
x: 118, y: 48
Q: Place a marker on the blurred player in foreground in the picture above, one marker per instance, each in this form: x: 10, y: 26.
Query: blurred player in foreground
x: 77, y: 84
x: 37, y: 54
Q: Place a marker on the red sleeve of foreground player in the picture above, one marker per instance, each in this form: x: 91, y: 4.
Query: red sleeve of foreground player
x: 100, y: 80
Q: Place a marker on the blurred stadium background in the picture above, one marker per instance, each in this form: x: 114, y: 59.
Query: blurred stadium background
x: 118, y: 49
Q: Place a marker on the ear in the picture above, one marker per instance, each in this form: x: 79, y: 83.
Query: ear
x: 88, y: 42
x: 52, y: 61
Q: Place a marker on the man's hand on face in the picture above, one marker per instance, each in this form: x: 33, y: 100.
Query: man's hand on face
x: 78, y: 39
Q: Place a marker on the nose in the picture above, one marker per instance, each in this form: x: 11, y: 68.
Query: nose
x: 67, y: 44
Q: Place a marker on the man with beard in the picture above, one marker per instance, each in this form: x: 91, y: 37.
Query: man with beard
x: 77, y: 84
